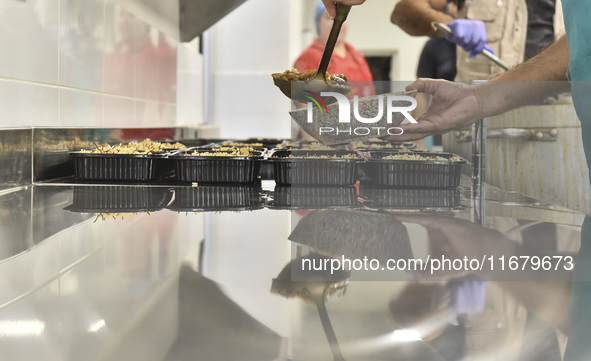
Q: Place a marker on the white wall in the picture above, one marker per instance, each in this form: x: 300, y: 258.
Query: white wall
x: 371, y: 31
x: 60, y: 66
x: 249, y: 44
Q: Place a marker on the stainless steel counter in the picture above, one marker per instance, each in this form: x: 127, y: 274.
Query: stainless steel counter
x: 157, y: 284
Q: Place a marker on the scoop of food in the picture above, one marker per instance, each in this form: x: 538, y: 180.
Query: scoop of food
x: 299, y: 86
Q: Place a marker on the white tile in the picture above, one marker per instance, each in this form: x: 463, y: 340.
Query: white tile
x: 119, y: 58
x: 29, y: 40
x: 81, y: 44
x: 146, y: 56
x: 155, y: 114
x: 25, y: 104
x: 119, y: 112
x: 167, y: 68
x: 80, y: 109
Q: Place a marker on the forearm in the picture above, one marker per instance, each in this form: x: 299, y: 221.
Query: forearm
x: 415, y: 16
x: 531, y: 81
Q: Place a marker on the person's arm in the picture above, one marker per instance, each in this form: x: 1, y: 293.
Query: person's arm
x: 330, y: 5
x: 415, y: 16
x: 456, y: 105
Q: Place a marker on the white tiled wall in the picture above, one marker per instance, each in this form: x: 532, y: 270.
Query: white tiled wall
x: 249, y: 44
x: 90, y: 63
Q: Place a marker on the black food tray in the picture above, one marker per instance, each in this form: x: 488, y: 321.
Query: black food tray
x: 118, y: 199
x: 217, y: 198
x: 217, y: 169
x: 444, y: 199
x: 413, y: 173
x: 296, y: 197
x: 314, y: 171
x: 114, y: 167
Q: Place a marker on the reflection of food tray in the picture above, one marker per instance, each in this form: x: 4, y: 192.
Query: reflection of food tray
x: 117, y: 199
x: 414, y: 173
x: 313, y: 170
x: 294, y: 197
x: 114, y: 167
x: 218, y: 169
x: 410, y: 198
x: 217, y: 198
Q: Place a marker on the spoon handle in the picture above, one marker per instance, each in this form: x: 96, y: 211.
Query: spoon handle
x: 342, y: 13
x: 328, y: 330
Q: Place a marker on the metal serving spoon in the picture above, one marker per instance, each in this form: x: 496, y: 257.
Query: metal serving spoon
x: 298, y: 90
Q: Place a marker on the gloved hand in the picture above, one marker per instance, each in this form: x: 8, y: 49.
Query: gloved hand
x: 469, y: 34
x: 468, y: 294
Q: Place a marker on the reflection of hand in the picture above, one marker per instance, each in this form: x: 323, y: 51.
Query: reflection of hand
x: 457, y: 237
x: 331, y: 5
x: 469, y: 34
x: 454, y: 106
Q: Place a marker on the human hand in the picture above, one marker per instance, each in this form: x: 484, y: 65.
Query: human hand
x: 454, y: 106
x: 454, y: 237
x: 332, y: 8
x: 469, y: 34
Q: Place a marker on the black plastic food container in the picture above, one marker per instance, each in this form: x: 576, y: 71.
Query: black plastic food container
x: 217, y: 198
x: 217, y: 169
x: 114, y: 167
x: 112, y: 199
x: 297, y: 197
x: 307, y: 168
x: 410, y: 198
x: 413, y: 173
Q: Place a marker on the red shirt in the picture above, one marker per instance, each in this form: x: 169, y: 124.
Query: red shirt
x: 353, y: 66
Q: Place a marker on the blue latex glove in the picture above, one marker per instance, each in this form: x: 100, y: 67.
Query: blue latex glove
x: 468, y: 294
x: 469, y: 34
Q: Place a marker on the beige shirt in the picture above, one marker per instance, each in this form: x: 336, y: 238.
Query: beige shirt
x: 506, y: 27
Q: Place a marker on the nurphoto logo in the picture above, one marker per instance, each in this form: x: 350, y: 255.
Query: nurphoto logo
x: 387, y: 105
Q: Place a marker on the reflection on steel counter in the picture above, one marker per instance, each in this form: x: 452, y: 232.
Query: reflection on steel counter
x: 213, y: 327
x: 354, y: 234
x: 314, y: 285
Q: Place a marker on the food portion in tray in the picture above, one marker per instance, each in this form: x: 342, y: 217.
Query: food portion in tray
x: 421, y: 157
x: 335, y: 168
x: 222, y: 152
x: 146, y: 146
x: 382, y: 145
x: 218, y: 165
x: 414, y: 169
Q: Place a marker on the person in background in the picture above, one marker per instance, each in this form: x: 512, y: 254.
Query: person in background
x: 497, y: 25
x: 437, y: 61
x: 346, y: 59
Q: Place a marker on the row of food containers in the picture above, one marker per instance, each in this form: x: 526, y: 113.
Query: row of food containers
x: 303, y: 163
